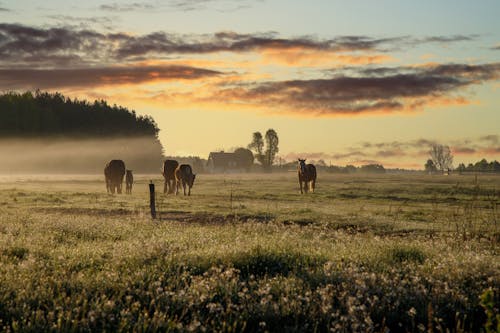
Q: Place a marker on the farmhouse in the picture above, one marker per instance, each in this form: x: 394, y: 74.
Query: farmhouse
x: 221, y: 162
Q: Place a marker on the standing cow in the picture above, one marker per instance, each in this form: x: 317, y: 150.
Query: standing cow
x: 169, y: 167
x: 129, y: 181
x: 184, y: 175
x: 114, y: 172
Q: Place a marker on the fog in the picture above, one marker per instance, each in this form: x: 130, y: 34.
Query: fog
x: 72, y: 156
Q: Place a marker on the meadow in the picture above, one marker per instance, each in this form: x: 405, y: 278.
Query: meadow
x: 365, y: 253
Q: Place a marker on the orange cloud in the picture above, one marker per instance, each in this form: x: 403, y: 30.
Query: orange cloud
x: 319, y: 58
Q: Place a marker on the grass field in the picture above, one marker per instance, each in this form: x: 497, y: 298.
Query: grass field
x: 408, y: 253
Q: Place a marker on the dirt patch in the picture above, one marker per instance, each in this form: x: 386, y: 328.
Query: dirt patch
x: 87, y: 211
x: 350, y: 228
x: 188, y: 217
x: 300, y: 222
x: 178, y: 216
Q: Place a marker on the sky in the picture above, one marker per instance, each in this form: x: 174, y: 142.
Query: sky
x: 347, y: 82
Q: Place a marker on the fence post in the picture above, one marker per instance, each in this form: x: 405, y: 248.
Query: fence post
x: 152, y: 199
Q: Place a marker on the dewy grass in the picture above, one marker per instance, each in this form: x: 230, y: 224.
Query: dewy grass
x: 73, y: 258
x: 399, y: 254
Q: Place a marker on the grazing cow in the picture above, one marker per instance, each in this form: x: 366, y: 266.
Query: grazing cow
x: 184, y: 174
x: 307, y: 174
x: 169, y: 167
x: 114, y: 172
x: 129, y: 180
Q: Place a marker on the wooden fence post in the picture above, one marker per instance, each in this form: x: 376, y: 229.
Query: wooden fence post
x: 152, y: 199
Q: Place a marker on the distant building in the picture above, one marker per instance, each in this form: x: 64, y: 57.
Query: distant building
x: 239, y: 161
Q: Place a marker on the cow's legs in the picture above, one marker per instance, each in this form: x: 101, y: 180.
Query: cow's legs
x: 300, y: 184
x: 313, y: 184
x: 184, y: 187
x: 165, y: 187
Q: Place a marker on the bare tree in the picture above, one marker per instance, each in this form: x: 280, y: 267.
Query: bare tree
x: 441, y: 157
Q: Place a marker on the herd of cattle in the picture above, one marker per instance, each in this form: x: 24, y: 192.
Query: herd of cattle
x: 175, y: 176
x: 182, y: 175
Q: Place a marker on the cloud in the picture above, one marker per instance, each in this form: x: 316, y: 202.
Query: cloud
x: 180, y: 5
x: 18, y: 43
x: 397, y: 89
x: 317, y: 58
x: 492, y: 138
x: 163, y: 43
x: 27, y: 53
x: 24, y: 45
x: 126, y: 7
x: 219, y: 5
x: 491, y: 151
x: 464, y: 150
x: 399, y: 153
x: 390, y: 153
x: 323, y: 156
x: 92, y: 77
x: 84, y: 22
x: 447, y: 39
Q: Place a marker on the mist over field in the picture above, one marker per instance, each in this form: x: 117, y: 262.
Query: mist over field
x: 82, y: 155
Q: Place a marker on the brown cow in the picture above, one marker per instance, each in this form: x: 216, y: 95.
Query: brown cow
x: 169, y: 167
x: 114, y: 172
x: 129, y: 181
x: 184, y: 174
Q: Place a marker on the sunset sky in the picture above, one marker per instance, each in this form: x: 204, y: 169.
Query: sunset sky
x: 358, y: 81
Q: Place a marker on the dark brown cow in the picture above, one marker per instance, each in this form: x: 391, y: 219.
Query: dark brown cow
x: 129, y: 181
x: 307, y: 174
x: 184, y: 175
x: 169, y: 167
x: 114, y: 172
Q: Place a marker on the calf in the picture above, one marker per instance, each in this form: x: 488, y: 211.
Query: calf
x: 184, y: 174
x: 129, y: 180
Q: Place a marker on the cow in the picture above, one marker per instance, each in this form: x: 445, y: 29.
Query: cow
x: 169, y: 167
x: 307, y: 174
x: 184, y: 175
x: 114, y: 172
x: 129, y: 181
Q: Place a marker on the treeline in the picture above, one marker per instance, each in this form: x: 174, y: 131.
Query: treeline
x: 480, y: 166
x: 45, y: 132
x: 52, y: 114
